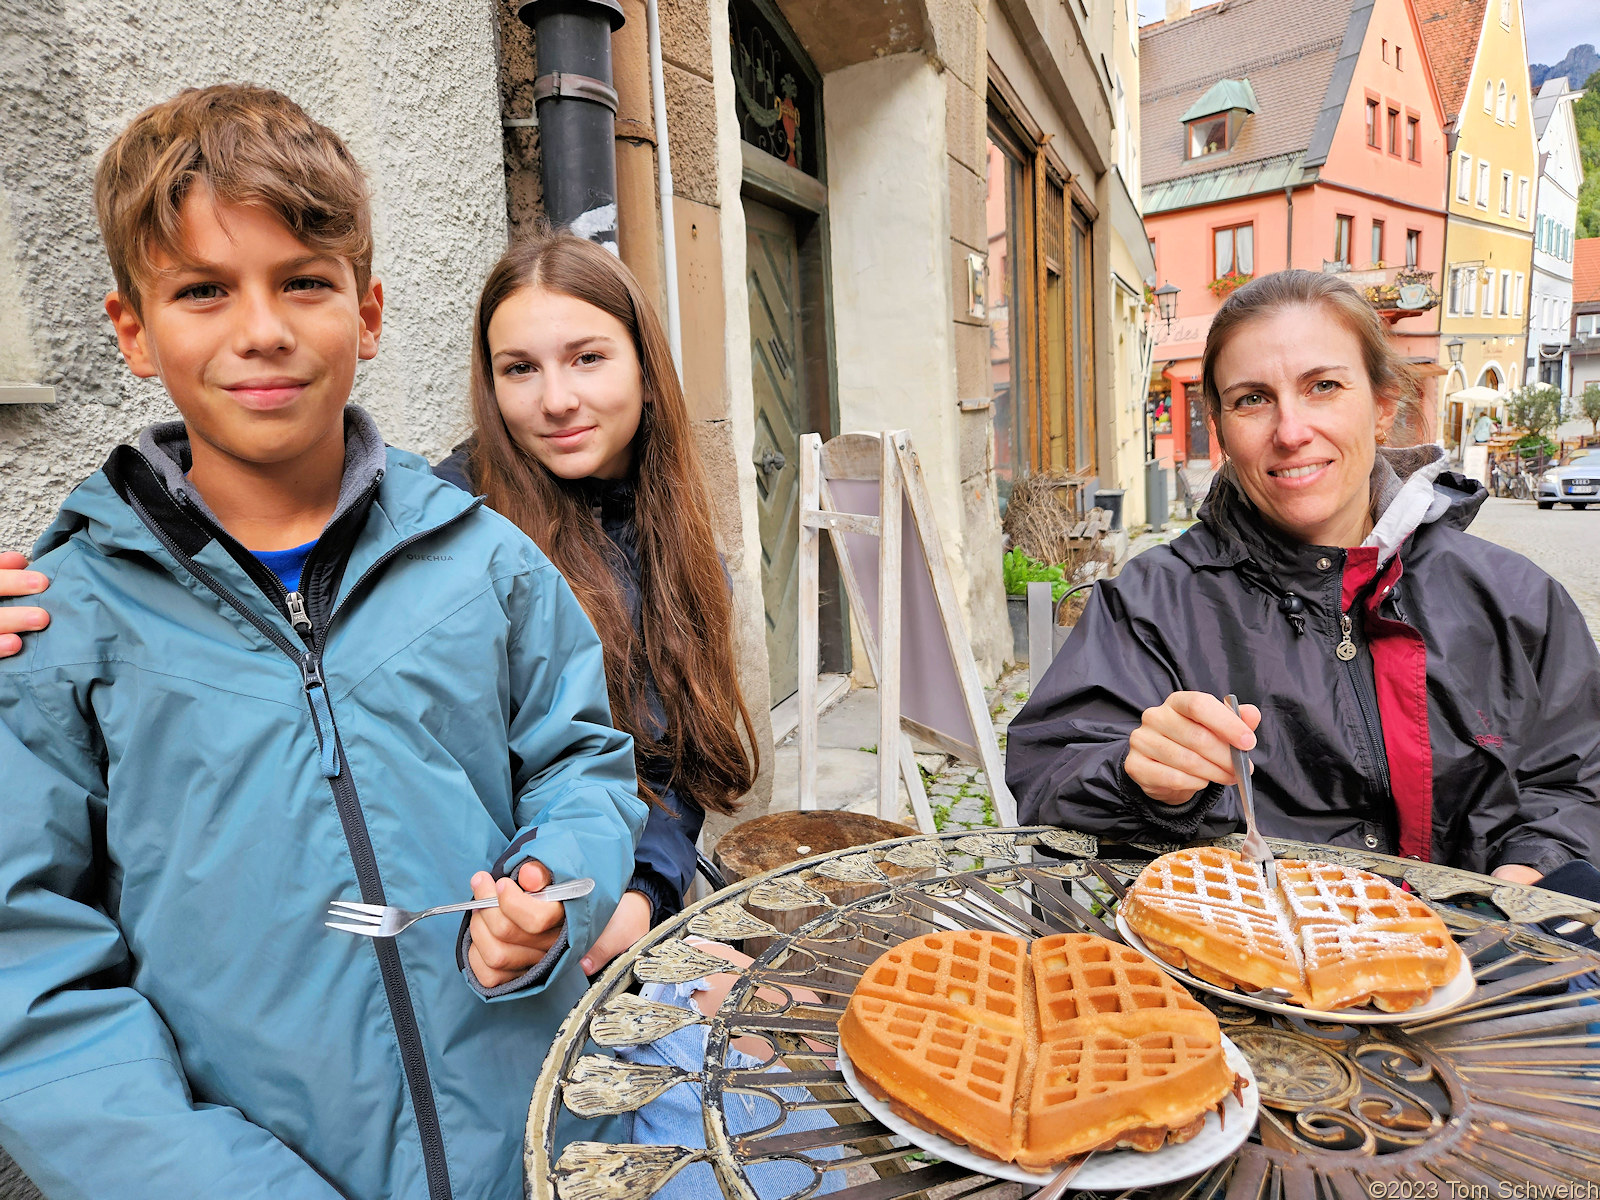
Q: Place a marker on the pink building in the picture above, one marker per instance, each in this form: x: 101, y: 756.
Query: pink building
x: 1279, y: 133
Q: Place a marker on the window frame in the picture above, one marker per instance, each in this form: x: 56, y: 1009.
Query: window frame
x: 1233, y: 229
x: 1413, y: 247
x: 1517, y: 289
x: 1374, y: 134
x: 1464, y: 177
x: 1505, y: 192
x: 1481, y: 200
x: 1391, y: 129
x: 1377, y: 234
x: 1524, y: 196
x: 1500, y: 104
x: 1190, y: 127
x: 1343, y: 231
x: 1413, y: 136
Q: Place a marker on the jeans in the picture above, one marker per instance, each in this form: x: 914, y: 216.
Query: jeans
x: 676, y: 1117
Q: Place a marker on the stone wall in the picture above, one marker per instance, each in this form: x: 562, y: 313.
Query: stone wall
x: 411, y: 87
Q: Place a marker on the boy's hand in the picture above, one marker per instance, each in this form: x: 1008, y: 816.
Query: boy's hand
x: 508, y: 940
x: 628, y: 924
x: 16, y: 580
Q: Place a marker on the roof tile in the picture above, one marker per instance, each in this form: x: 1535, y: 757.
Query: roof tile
x: 1450, y: 32
x: 1586, y: 270
x: 1286, y: 49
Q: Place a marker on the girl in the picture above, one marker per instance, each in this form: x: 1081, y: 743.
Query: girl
x: 582, y: 438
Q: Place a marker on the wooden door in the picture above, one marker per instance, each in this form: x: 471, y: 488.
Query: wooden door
x: 777, y: 366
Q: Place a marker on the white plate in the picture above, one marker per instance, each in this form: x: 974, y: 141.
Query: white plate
x: 1451, y: 995
x: 1110, y: 1170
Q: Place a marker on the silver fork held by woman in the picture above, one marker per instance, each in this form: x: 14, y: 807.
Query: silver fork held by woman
x: 386, y: 920
x: 1255, y: 847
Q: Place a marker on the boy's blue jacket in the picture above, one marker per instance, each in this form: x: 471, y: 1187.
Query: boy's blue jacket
x: 175, y: 1020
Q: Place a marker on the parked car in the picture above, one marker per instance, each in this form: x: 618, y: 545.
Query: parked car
x: 1577, y: 483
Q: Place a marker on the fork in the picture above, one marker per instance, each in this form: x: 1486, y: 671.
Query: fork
x: 1254, y: 846
x: 387, y: 920
x: 1057, y: 1187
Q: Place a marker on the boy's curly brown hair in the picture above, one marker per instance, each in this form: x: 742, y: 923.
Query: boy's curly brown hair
x: 247, y: 145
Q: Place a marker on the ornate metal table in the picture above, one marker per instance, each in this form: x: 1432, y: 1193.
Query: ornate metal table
x: 1499, y: 1098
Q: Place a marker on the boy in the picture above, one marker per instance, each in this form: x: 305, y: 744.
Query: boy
x: 292, y: 670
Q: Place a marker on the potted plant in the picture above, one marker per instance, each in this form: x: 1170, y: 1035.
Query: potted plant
x: 1225, y: 285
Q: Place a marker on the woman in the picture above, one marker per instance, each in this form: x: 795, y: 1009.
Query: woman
x: 1414, y: 690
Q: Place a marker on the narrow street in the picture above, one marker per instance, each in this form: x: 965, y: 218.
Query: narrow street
x: 1563, y: 541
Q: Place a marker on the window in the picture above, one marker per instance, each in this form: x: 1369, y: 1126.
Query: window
x: 1505, y: 14
x: 1397, y: 65
x: 1505, y: 293
x: 1588, y: 324
x: 1233, y: 251
x: 1413, y: 247
x: 1522, y: 197
x: 1341, y: 239
x: 1500, y: 103
x: 1464, y: 177
x: 1377, y: 242
x: 1462, y: 283
x: 1505, y: 193
x: 1513, y: 108
x: 1488, y: 293
x: 1538, y: 233
x: 1483, y: 185
x: 1208, y: 135
x: 1517, y: 289
x: 1011, y: 301
x: 1488, y: 95
x: 1372, y: 123
x: 1413, y: 150
x: 1392, y: 128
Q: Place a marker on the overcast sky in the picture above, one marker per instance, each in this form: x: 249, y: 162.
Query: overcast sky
x: 1554, y: 26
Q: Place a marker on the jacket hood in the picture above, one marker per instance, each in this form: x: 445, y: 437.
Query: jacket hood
x: 1410, y: 487
x: 97, y: 509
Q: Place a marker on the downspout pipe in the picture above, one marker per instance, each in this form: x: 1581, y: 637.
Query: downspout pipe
x: 1288, y: 250
x: 669, y: 239
x: 577, y: 106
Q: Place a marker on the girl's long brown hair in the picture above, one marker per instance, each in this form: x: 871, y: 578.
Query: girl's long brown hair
x: 686, y: 609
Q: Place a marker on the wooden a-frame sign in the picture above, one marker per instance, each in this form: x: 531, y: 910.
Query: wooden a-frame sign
x: 904, y: 603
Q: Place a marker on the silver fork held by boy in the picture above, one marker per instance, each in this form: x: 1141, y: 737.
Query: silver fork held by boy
x: 386, y: 920
x: 1255, y: 847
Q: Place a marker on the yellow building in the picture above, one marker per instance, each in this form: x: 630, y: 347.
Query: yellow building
x: 1479, y: 56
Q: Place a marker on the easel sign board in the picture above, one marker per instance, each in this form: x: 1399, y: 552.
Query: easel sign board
x: 930, y: 691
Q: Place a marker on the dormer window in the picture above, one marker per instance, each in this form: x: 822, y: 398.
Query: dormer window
x: 1213, y: 122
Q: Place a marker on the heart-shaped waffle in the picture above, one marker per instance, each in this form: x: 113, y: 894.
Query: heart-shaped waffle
x: 1332, y: 936
x: 1034, y: 1054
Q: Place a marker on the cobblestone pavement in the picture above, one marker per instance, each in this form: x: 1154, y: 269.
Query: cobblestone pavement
x: 959, y: 794
x: 1561, y: 540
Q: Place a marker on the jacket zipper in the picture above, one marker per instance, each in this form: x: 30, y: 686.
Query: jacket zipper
x: 351, y: 818
x: 1358, y: 681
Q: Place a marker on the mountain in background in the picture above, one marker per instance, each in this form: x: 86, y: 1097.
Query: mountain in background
x: 1580, y: 63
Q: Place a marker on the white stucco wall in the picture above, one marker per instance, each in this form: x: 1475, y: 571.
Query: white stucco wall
x: 894, y: 339
x: 412, y: 88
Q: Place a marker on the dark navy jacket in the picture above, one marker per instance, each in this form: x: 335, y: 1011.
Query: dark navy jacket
x: 664, y: 862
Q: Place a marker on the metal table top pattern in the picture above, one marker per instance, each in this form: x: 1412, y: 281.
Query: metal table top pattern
x: 1499, y: 1095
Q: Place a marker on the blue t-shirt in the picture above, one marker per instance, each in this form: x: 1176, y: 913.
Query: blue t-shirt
x: 286, y: 564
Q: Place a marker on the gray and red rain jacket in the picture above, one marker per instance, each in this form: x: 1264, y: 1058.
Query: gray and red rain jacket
x: 1465, y: 730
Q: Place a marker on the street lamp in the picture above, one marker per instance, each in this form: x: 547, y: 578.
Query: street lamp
x: 1455, y: 346
x: 1167, y: 300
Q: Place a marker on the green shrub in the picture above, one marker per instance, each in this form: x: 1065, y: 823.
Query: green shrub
x: 1020, y: 569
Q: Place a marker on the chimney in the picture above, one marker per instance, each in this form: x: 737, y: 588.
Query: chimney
x: 1177, y: 10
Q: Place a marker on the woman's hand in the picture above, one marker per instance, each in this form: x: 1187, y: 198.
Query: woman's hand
x: 628, y: 924
x: 1185, y: 744
x: 508, y: 940
x: 1517, y: 873
x: 16, y: 580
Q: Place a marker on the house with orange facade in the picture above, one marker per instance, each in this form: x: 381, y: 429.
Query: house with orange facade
x: 1280, y: 134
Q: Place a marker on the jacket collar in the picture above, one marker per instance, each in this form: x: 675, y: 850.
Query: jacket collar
x: 1410, y: 486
